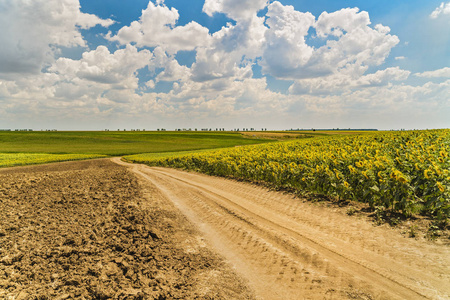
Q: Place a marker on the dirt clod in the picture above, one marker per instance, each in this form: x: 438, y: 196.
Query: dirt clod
x: 85, y: 230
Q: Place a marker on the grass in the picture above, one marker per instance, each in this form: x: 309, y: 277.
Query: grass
x: 22, y: 159
x: 118, y: 143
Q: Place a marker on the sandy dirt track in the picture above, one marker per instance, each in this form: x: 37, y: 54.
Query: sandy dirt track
x: 289, y: 249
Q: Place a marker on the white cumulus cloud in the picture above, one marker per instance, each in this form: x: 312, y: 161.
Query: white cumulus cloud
x: 444, y: 72
x: 101, y: 66
x: 383, y: 77
x: 342, y: 82
x: 443, y: 9
x: 157, y: 27
x: 351, y: 46
x: 232, y: 51
x: 285, y: 49
x: 235, y: 9
x: 337, y: 23
x: 172, y: 70
x: 32, y: 29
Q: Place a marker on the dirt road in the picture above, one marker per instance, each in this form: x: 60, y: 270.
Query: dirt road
x: 289, y: 249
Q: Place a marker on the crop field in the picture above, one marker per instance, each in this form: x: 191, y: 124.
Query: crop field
x: 22, y: 159
x: 117, y: 143
x: 407, y: 172
x: 150, y: 158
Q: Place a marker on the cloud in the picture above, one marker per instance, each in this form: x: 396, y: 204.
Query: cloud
x: 100, y: 83
x: 225, y: 54
x: 110, y: 76
x: 32, y: 31
x: 232, y: 51
x: 386, y: 107
x: 245, y: 38
x: 234, y: 9
x: 342, y: 82
x: 196, y: 100
x: 117, y: 69
x: 337, y: 23
x: 443, y: 9
x: 150, y: 84
x: 351, y: 45
x: 157, y: 27
x: 285, y: 51
x: 172, y: 70
x: 444, y: 72
x: 212, y: 65
x: 400, y: 58
x: 383, y: 77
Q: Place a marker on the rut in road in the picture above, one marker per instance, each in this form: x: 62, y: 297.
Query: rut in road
x: 289, y: 249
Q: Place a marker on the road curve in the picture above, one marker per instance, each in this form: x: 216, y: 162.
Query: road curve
x: 289, y: 249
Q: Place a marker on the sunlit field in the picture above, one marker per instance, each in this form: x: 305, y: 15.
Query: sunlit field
x: 118, y: 143
x: 407, y: 172
x: 21, y: 159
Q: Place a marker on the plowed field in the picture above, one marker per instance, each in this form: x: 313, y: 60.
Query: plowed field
x: 92, y: 230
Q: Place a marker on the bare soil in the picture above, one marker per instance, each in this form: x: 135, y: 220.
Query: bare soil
x: 93, y: 230
x: 291, y: 249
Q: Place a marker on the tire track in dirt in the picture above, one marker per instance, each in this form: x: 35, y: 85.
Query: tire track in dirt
x: 290, y: 250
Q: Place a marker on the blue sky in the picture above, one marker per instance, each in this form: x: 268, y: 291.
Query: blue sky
x: 95, y: 64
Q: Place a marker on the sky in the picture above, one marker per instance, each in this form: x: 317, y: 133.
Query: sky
x: 114, y: 64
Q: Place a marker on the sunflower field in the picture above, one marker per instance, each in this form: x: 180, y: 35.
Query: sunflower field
x: 405, y: 171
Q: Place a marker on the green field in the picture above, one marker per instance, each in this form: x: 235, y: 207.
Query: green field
x: 117, y: 143
x: 22, y: 159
